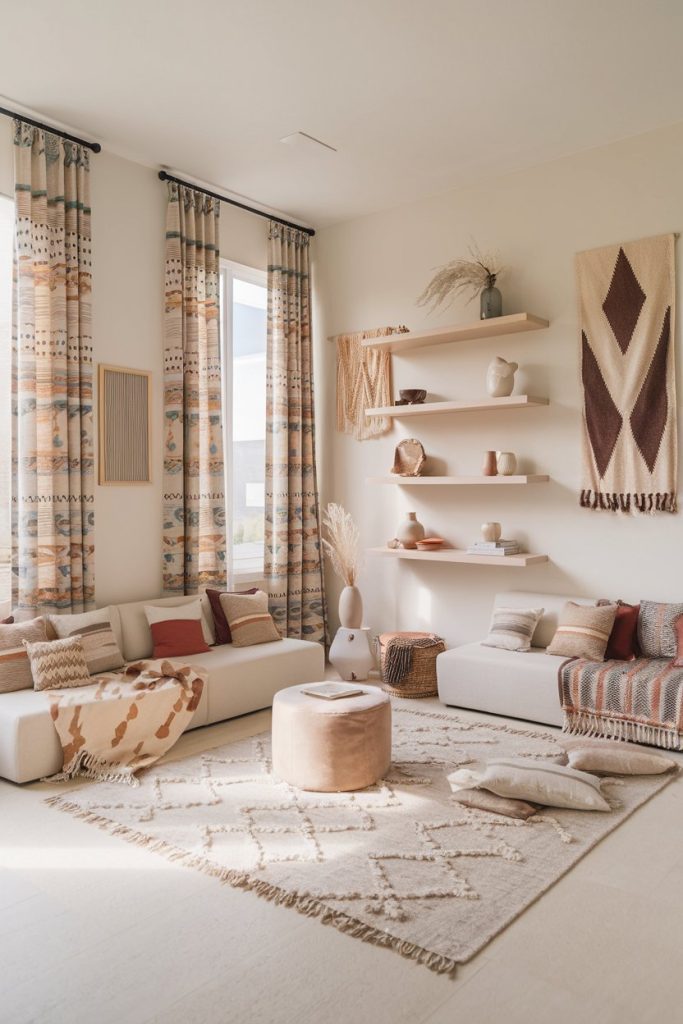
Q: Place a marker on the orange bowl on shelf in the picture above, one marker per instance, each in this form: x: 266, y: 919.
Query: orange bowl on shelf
x: 430, y: 544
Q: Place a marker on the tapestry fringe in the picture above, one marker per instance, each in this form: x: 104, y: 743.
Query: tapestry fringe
x: 613, y: 502
x: 300, y: 902
x: 584, y: 723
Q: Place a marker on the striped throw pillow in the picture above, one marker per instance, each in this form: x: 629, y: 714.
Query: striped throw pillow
x: 249, y: 619
x: 58, y: 664
x: 583, y: 631
x: 657, y: 629
x: 15, y: 668
x: 512, y: 628
x: 102, y: 652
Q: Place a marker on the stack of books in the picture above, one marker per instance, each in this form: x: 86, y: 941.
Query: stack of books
x: 495, y: 547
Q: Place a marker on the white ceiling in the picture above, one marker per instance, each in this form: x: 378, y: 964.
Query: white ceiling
x: 418, y: 96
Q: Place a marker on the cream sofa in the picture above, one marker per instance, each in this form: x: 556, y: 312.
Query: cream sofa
x: 240, y: 680
x: 512, y: 683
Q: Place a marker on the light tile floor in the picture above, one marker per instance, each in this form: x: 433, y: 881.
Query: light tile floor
x: 93, y: 929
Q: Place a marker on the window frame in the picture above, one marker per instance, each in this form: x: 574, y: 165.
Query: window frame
x: 6, y: 550
x: 229, y: 270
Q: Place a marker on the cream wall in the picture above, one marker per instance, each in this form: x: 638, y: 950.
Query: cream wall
x: 370, y: 272
x: 129, y: 204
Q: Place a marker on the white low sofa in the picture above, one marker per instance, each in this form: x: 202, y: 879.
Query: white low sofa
x: 240, y: 680
x: 512, y: 683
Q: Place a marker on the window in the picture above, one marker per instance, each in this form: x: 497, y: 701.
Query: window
x: 243, y: 340
x: 6, y: 233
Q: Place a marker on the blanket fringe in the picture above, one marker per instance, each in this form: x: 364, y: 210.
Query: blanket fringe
x: 304, y: 904
x: 584, y: 723
x: 92, y: 767
x: 638, y: 502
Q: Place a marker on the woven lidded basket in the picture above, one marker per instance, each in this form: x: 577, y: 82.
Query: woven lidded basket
x: 420, y: 681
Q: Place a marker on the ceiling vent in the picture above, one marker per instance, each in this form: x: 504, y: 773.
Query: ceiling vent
x: 306, y: 142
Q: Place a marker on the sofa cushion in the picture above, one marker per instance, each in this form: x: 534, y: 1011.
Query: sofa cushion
x: 551, y: 603
x: 249, y: 619
x: 511, y: 629
x: 135, y: 638
x: 220, y: 623
x: 583, y: 632
x: 58, y: 664
x: 657, y: 630
x: 521, y: 684
x: 15, y: 668
x: 102, y: 652
x: 176, y: 632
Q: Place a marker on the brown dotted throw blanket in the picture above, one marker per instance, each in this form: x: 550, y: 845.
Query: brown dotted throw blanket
x: 124, y: 721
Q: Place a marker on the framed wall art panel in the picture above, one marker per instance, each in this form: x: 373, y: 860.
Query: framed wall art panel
x: 124, y: 425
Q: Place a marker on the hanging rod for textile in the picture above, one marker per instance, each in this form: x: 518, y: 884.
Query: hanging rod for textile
x: 94, y: 146
x: 165, y: 176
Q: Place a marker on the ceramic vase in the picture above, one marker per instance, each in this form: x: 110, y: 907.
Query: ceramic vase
x: 490, y: 464
x: 490, y: 532
x: 351, y: 608
x: 410, y: 531
x: 500, y: 377
x: 507, y: 463
x: 351, y: 655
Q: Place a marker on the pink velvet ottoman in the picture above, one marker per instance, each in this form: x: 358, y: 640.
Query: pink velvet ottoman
x: 331, y: 746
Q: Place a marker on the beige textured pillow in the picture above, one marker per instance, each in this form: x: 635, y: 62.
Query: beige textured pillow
x: 583, y: 631
x: 482, y: 800
x: 249, y: 619
x: 610, y: 757
x: 512, y: 628
x: 548, y: 784
x: 102, y: 652
x: 58, y: 664
x: 15, y: 668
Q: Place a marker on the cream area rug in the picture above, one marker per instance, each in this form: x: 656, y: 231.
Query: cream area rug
x: 401, y: 864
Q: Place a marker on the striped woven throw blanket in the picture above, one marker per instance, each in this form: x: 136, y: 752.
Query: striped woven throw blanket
x: 398, y: 655
x: 639, y: 700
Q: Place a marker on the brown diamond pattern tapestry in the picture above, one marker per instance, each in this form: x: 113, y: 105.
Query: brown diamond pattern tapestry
x: 627, y: 304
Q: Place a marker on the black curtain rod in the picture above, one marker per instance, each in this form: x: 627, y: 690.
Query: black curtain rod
x: 233, y: 202
x: 94, y: 146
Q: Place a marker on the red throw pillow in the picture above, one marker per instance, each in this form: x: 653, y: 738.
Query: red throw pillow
x: 222, y: 629
x: 623, y: 640
x: 177, y: 637
x: 8, y: 621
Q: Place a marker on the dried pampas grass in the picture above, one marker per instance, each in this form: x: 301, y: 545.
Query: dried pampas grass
x: 462, y: 277
x: 342, y: 543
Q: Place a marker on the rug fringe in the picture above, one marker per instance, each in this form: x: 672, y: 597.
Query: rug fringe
x: 585, y: 723
x: 306, y: 905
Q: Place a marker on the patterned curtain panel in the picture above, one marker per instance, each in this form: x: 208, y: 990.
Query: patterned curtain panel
x: 293, y: 566
x: 53, y: 516
x: 194, y: 486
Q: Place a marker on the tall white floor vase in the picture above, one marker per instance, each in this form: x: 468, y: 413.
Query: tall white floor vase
x: 351, y: 655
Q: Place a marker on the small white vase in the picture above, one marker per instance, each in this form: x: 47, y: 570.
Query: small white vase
x: 507, y: 463
x: 490, y: 531
x: 351, y: 655
x: 410, y: 531
x: 351, y: 608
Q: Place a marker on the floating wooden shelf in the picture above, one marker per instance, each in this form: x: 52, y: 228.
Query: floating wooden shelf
x: 514, y: 323
x: 432, y: 408
x: 459, y: 481
x: 456, y: 555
